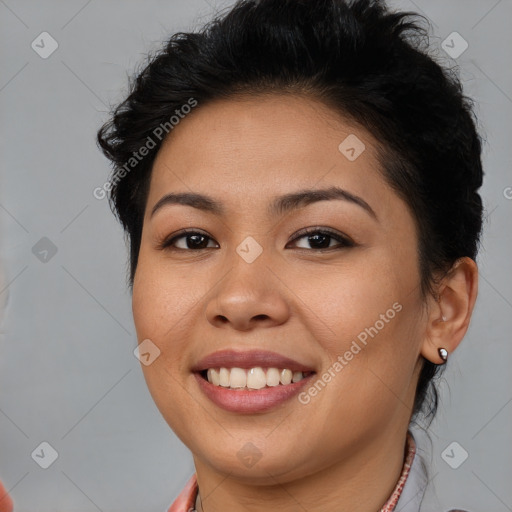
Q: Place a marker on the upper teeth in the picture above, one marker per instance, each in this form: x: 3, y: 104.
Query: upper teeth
x: 255, y: 378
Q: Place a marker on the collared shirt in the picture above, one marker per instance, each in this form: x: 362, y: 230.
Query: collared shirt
x: 406, y: 497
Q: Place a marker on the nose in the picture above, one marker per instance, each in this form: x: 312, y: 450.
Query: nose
x: 250, y: 295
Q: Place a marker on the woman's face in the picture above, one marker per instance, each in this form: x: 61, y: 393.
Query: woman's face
x: 345, y: 304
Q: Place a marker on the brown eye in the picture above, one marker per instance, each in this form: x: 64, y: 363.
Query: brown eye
x: 321, y: 239
x: 188, y: 240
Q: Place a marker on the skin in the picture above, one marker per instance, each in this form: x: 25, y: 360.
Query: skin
x: 343, y: 451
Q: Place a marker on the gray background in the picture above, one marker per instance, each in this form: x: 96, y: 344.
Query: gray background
x: 68, y: 375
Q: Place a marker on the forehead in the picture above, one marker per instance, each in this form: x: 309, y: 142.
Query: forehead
x: 262, y: 146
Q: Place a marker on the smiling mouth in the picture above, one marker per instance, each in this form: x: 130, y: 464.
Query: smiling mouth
x: 252, y: 379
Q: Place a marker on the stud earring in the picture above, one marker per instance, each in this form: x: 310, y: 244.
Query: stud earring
x: 444, y: 318
x: 443, y: 354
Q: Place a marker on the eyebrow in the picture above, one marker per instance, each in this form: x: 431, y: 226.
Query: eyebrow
x: 279, y: 206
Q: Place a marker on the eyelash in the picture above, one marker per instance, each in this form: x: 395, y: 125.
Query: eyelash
x: 344, y: 241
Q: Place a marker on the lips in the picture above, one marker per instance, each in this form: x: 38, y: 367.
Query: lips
x: 249, y: 359
x: 256, y: 397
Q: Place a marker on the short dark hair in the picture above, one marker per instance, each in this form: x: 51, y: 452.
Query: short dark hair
x: 368, y: 63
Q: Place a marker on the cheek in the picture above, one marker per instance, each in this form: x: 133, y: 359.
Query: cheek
x: 366, y: 292
x: 368, y: 321
x: 163, y: 313
x: 161, y: 300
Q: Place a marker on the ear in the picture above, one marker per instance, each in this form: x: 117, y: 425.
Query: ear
x: 450, y: 313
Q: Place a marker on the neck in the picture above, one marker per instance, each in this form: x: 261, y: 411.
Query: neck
x: 360, y: 482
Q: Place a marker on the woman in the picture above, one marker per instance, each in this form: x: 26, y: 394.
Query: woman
x: 299, y: 186
x: 298, y: 182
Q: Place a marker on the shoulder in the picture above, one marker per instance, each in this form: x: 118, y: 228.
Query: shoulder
x: 413, y: 492
x: 185, y: 501
x: 5, y: 500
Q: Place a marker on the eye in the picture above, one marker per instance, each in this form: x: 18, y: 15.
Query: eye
x: 321, y: 238
x: 192, y: 240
